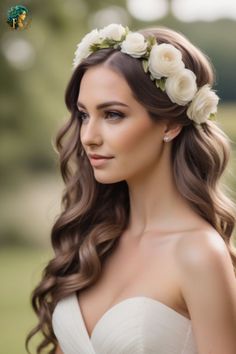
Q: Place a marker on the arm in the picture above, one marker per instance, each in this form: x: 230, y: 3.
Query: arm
x: 58, y: 350
x: 208, y: 286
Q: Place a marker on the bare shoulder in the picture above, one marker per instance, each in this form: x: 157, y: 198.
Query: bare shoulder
x: 204, y: 254
x: 201, y: 248
x: 58, y: 350
x: 208, y: 286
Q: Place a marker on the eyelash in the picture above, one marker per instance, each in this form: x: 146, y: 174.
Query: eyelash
x: 118, y: 115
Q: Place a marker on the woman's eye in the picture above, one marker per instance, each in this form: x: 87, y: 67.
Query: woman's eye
x: 82, y: 115
x: 108, y: 114
x: 114, y: 114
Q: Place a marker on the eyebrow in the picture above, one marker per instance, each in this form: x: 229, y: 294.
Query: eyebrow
x: 105, y: 104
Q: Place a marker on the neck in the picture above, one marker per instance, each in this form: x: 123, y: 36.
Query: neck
x: 155, y: 202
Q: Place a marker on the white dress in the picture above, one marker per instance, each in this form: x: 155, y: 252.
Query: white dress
x: 137, y: 325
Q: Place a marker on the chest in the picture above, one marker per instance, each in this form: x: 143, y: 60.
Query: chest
x: 133, y: 269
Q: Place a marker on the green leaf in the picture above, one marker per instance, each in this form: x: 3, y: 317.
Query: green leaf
x: 153, y: 40
x: 105, y: 45
x: 161, y: 83
x: 151, y: 77
x: 212, y: 116
x: 109, y: 42
x: 93, y: 47
x: 146, y: 55
x: 145, y: 65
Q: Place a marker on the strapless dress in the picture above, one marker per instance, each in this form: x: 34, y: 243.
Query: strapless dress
x: 136, y: 325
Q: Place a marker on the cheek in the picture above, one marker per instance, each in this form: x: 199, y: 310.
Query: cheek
x: 135, y: 144
x: 130, y: 134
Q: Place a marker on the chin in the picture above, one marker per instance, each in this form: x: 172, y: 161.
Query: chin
x: 107, y: 179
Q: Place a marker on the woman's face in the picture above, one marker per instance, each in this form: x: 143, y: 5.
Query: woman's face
x: 123, y: 130
x: 22, y: 16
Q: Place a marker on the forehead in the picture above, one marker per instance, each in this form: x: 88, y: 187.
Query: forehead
x: 100, y: 81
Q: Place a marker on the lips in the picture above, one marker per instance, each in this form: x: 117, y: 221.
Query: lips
x: 100, y: 162
x: 97, y: 157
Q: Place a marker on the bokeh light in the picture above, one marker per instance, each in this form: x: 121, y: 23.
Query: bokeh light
x: 148, y: 10
x: 209, y: 10
x: 111, y: 14
x: 18, y: 51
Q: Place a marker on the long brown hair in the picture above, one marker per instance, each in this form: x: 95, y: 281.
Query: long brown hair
x: 94, y: 215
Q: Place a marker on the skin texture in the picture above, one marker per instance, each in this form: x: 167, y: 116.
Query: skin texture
x: 58, y: 350
x: 209, y: 288
x: 168, y: 252
x: 141, y: 157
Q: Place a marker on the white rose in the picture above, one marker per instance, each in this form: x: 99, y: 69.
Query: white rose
x: 112, y: 31
x: 134, y: 45
x: 203, y: 105
x: 83, y: 50
x: 164, y: 60
x: 181, y: 87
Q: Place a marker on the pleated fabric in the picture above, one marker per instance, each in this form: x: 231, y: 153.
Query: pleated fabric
x: 137, y: 325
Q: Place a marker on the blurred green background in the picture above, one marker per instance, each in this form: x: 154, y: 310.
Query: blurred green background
x: 36, y: 65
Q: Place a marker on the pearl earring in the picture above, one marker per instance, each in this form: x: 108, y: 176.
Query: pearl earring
x: 166, y: 138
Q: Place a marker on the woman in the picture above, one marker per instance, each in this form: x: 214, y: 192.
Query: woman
x: 144, y: 259
x: 16, y: 17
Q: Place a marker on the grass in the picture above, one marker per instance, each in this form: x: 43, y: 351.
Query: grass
x: 227, y: 117
x: 20, y: 271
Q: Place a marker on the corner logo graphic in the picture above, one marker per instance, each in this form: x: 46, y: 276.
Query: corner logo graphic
x: 18, y: 17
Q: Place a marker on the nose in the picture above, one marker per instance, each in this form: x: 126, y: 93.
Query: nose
x: 90, y: 132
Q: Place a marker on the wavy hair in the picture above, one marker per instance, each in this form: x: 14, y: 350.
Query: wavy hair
x: 95, y: 215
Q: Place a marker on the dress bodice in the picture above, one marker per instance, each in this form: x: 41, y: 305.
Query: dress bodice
x: 137, y: 325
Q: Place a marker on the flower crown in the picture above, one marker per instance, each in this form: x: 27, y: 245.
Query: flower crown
x: 163, y: 62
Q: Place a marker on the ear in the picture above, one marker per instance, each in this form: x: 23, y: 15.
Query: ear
x: 173, y: 129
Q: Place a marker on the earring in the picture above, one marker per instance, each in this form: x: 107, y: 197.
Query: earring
x: 166, y: 138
